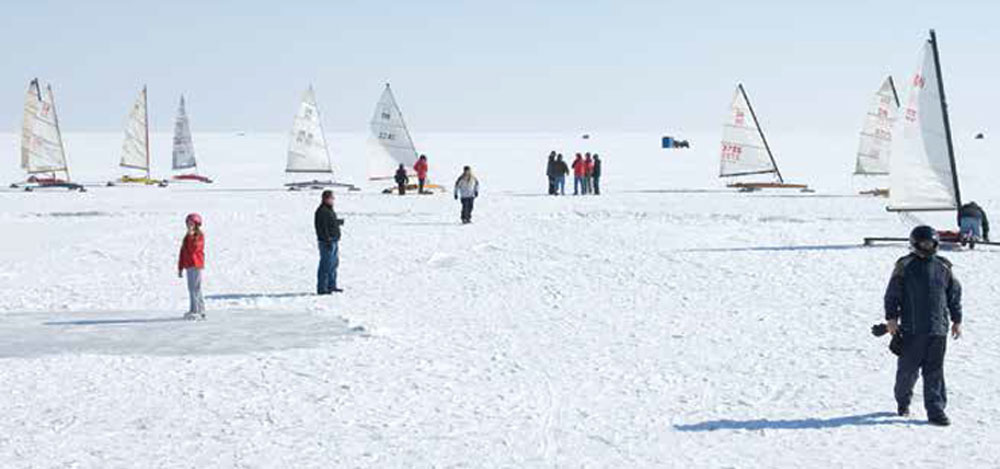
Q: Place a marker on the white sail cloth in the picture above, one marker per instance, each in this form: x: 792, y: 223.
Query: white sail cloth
x: 921, y: 171
x: 183, y: 154
x: 135, y: 148
x: 389, y: 144
x: 307, y: 149
x: 875, y: 143
x: 743, y: 149
x: 41, y: 140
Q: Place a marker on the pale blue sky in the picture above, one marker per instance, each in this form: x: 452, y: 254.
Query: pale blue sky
x: 491, y: 66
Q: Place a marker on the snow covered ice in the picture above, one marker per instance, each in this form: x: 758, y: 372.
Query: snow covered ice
x: 667, y: 323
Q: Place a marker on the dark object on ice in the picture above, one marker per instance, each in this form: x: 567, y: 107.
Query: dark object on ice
x: 670, y: 142
x: 895, y: 345
x: 903, y: 411
x: 980, y: 136
x: 585, y: 136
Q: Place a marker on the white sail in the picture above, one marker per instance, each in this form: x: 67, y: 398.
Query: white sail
x: 743, y: 149
x: 41, y: 140
x: 921, y: 175
x: 183, y: 145
x: 307, y: 151
x: 135, y: 148
x: 390, y: 144
x: 875, y: 145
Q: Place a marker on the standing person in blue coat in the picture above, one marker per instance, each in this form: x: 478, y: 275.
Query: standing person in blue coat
x: 466, y: 190
x: 562, y: 169
x: 328, y: 238
x: 923, y: 296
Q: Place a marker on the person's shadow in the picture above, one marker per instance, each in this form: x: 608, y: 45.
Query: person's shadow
x: 863, y: 420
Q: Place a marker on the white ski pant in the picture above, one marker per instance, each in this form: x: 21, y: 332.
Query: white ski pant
x: 194, y: 290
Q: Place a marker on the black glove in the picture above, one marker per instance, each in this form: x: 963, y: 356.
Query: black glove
x: 880, y: 330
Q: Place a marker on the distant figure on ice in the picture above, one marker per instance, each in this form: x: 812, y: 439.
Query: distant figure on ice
x: 595, y: 174
x: 550, y: 173
x: 588, y: 174
x: 402, y: 179
x: 579, y: 171
x: 421, y: 167
x: 923, y: 294
x: 562, y: 170
x: 973, y: 222
x: 191, y: 262
x: 328, y: 237
x: 466, y: 190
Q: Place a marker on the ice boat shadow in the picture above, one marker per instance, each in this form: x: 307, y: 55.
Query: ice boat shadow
x: 111, y: 322
x: 808, y: 247
x: 255, y: 296
x: 862, y: 420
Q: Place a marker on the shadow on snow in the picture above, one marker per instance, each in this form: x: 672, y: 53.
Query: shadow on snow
x: 99, y: 322
x: 816, y: 247
x: 254, y: 296
x: 863, y: 420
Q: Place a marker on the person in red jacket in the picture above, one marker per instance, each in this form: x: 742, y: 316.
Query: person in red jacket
x: 588, y: 174
x: 191, y: 261
x: 579, y: 170
x: 421, y: 168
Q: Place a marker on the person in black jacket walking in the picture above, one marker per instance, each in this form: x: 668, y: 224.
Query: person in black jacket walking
x: 922, y: 296
x: 328, y: 237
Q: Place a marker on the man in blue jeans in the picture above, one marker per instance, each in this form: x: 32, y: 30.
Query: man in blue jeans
x: 327, y: 236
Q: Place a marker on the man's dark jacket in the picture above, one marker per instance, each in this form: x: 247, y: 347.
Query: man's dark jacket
x: 973, y: 210
x: 923, y: 294
x: 597, y: 168
x: 327, y: 224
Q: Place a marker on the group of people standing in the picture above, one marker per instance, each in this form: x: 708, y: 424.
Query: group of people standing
x: 586, y: 174
x: 403, y: 179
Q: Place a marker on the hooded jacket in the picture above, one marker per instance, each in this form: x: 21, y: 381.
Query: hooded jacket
x: 973, y: 210
x: 923, y: 294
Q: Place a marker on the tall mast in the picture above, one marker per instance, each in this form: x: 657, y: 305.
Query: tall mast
x: 947, y: 122
x: 319, y: 122
x: 761, y: 132
x: 895, y: 96
x: 145, y: 110
x: 55, y: 118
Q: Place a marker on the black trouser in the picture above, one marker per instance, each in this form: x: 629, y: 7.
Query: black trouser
x: 924, y: 354
x: 402, y: 188
x: 420, y: 185
x: 467, y: 208
x: 597, y: 185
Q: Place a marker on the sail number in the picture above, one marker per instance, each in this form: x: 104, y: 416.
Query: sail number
x: 731, y: 152
x: 386, y: 136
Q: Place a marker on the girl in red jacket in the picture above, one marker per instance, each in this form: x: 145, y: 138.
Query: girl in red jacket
x: 192, y: 261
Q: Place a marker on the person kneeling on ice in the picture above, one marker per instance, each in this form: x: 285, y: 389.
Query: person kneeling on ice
x: 401, y: 179
x: 191, y: 261
x: 923, y: 294
x: 328, y: 238
x: 466, y: 189
x: 973, y: 222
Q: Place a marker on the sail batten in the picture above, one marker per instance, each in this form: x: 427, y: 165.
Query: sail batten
x: 183, y: 151
x: 875, y: 143
x: 744, y: 149
x: 42, y: 148
x: 923, y: 169
x: 307, y: 148
x: 389, y: 144
x: 135, y: 148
